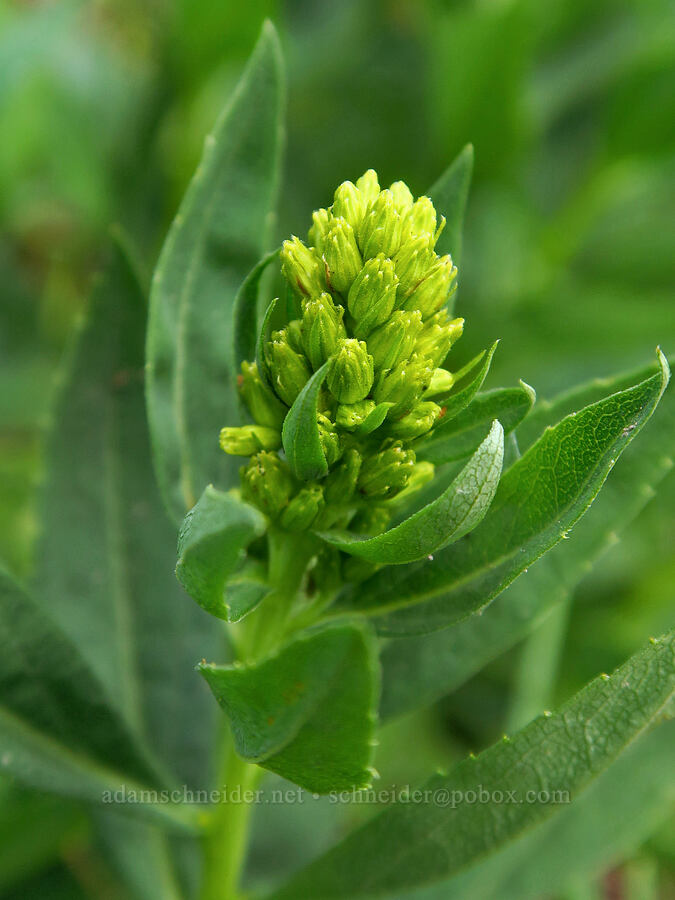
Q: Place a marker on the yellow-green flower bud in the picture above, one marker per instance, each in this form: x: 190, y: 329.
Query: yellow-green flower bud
x: 372, y: 295
x: 403, y: 385
x: 369, y: 186
x: 403, y: 199
x: 330, y: 439
x: 322, y: 329
x: 371, y: 520
x: 341, y: 255
x: 422, y: 473
x: 350, y: 372
x: 421, y: 220
x: 350, y: 204
x: 249, y: 439
x: 387, y: 472
x: 421, y: 418
x: 437, y: 337
x: 289, y: 371
x: 320, y: 222
x: 267, y: 483
x: 260, y: 400
x: 413, y: 262
x: 302, y: 268
x: 381, y: 228
x: 394, y: 341
x: 303, y: 508
x: 434, y: 291
x: 340, y: 484
x: 293, y: 332
x: 441, y: 382
x: 351, y: 415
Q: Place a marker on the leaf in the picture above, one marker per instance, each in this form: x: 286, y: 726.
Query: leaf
x: 211, y: 544
x: 609, y: 821
x: 456, y: 402
x: 58, y: 731
x: 374, y: 419
x: 419, y: 670
x: 468, y: 429
x: 246, y: 312
x: 262, y: 337
x: 554, y: 758
x: 449, y: 195
x: 300, y: 434
x: 308, y: 712
x: 106, y: 554
x: 538, y: 500
x: 216, y: 238
x: 456, y: 512
x: 244, y: 591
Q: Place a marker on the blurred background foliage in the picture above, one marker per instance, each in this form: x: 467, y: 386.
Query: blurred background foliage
x: 568, y: 258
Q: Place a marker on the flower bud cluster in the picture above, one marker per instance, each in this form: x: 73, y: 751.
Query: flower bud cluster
x: 372, y: 294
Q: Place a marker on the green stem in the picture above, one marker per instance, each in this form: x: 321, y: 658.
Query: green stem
x: 226, y: 835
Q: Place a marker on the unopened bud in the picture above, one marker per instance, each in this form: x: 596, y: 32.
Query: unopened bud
x: 394, y: 341
x: 293, y: 332
x: 413, y: 262
x: 350, y: 372
x: 403, y: 199
x: 330, y: 439
x: 341, y: 255
x: 422, y: 473
x: 403, y: 385
x: 289, y: 371
x: 386, y: 473
x: 421, y: 418
x: 322, y: 329
x: 369, y: 186
x: 303, y: 508
x: 438, y: 335
x: 371, y: 520
x: 249, y: 439
x: 372, y: 295
x: 349, y: 203
x: 441, y: 382
x: 267, y: 483
x: 340, y: 484
x: 381, y: 228
x: 320, y: 224
x: 260, y: 400
x: 434, y: 291
x: 302, y: 268
x: 421, y: 220
x: 351, y: 415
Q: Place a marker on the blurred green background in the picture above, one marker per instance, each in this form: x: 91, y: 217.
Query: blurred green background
x: 568, y: 248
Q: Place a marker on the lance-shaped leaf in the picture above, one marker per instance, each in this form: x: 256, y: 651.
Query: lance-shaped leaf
x: 457, y: 511
x: 216, y: 238
x: 546, y: 765
x: 538, y: 500
x: 449, y: 195
x: 374, y: 419
x: 106, y: 554
x: 419, y: 670
x: 59, y: 732
x: 246, y: 311
x: 211, y: 545
x: 300, y: 434
x: 465, y: 432
x: 455, y: 402
x: 263, y: 336
x: 308, y: 712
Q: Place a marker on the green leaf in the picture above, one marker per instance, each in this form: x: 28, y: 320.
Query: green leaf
x: 457, y: 511
x: 449, y: 195
x: 419, y: 670
x: 216, y: 238
x: 300, y: 434
x: 308, y: 712
x: 106, y: 554
x: 246, y: 312
x: 263, y: 336
x: 609, y: 821
x: 467, y: 430
x: 211, y: 544
x: 555, y: 758
x: 58, y: 730
x: 538, y: 500
x: 245, y: 590
x: 374, y: 419
x: 454, y: 403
